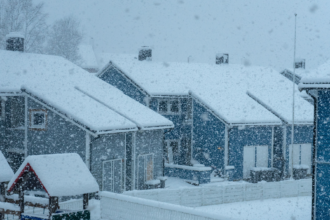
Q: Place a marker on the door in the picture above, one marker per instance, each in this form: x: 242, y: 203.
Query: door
x: 302, y: 155
x: 262, y: 156
x: 112, y: 176
x: 248, y: 160
x: 145, y: 169
x: 306, y: 156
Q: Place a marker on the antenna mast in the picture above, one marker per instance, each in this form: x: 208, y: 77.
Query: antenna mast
x: 293, y: 90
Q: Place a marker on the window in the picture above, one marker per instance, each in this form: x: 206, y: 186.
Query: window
x: 172, y: 151
x: 38, y: 119
x: 112, y: 177
x: 169, y: 106
x: 145, y: 168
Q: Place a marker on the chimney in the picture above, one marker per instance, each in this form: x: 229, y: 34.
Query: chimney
x: 299, y: 64
x: 145, y: 53
x: 222, y: 58
x: 15, y: 41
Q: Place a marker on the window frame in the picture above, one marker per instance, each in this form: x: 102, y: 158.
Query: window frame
x: 42, y: 127
x: 145, y: 167
x: 167, y: 144
x: 168, y: 102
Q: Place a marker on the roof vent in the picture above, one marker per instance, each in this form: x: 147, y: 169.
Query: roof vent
x: 145, y: 53
x: 222, y: 58
x: 299, y: 64
x: 15, y: 41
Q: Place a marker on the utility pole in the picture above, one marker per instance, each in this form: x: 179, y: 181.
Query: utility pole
x: 293, y: 90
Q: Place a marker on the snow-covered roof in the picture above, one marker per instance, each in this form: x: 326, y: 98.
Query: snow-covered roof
x: 88, y: 59
x: 222, y: 88
x: 15, y: 34
x: 59, y: 174
x: 6, y: 173
x: 318, y: 78
x: 76, y: 93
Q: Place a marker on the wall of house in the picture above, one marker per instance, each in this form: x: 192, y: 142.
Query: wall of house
x: 246, y: 136
x: 13, y: 131
x: 322, y: 171
x: 209, y: 137
x: 60, y: 135
x: 115, y: 78
x: 150, y: 142
x: 278, y: 161
x: 182, y: 127
x: 104, y: 148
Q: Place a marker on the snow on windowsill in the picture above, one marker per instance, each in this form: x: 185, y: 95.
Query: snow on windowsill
x: 195, y: 168
x: 152, y: 182
x: 229, y: 167
x: 302, y: 166
x: 260, y: 169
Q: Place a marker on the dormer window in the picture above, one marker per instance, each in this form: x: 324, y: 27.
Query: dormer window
x: 169, y: 107
x: 299, y: 64
x: 38, y: 119
x: 222, y: 58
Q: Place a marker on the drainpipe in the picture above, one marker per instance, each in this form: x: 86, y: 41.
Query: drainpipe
x: 90, y: 150
x: 314, y: 155
x: 284, y: 152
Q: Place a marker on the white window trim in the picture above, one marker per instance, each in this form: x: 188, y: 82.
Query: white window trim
x: 144, y: 167
x: 169, y: 107
x: 36, y: 111
x: 112, y: 171
x: 168, y: 145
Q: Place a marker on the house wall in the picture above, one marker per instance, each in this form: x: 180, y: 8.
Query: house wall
x: 150, y: 142
x: 247, y: 136
x: 13, y: 131
x: 278, y: 161
x: 182, y: 127
x: 104, y: 148
x: 115, y: 78
x: 322, y: 157
x: 209, y: 137
x: 60, y: 135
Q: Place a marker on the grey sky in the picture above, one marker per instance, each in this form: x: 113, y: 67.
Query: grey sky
x: 258, y: 32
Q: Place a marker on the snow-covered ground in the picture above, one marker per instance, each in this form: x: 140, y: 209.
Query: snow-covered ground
x: 294, y: 208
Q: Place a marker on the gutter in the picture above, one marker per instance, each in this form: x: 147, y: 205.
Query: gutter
x: 94, y: 133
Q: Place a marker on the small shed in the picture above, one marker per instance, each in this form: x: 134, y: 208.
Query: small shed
x: 6, y: 173
x: 55, y: 175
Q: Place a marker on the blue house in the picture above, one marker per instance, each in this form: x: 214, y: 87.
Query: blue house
x: 49, y: 105
x: 227, y: 117
x: 317, y: 85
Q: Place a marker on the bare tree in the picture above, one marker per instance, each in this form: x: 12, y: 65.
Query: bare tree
x: 25, y: 17
x: 64, y: 39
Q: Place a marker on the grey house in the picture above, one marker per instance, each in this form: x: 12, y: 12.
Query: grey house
x: 228, y: 117
x: 49, y: 105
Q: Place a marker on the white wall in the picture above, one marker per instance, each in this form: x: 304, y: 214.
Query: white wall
x: 213, y: 195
